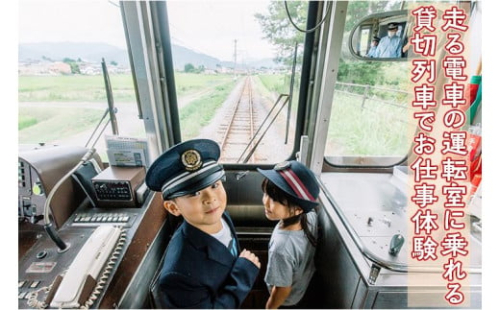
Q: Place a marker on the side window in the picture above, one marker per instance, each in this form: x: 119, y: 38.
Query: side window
x: 368, y: 124
x: 62, y: 93
x: 234, y: 76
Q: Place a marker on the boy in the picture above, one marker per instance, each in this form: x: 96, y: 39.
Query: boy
x: 202, y: 268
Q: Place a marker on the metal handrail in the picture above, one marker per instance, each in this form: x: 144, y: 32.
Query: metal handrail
x: 262, y: 125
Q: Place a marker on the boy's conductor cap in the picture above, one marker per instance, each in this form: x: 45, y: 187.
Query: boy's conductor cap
x: 185, y: 168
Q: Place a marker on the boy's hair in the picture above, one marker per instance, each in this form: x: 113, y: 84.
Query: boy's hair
x: 277, y: 194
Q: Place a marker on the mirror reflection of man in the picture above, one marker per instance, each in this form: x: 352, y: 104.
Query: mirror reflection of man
x: 390, y: 45
x: 373, y: 47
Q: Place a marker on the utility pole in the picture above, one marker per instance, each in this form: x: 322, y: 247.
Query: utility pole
x: 235, y: 58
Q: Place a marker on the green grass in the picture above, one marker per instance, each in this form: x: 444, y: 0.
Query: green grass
x: 280, y: 84
x: 76, y: 88
x: 188, y: 82
x: 55, y: 123
x: 198, y: 113
x: 26, y: 121
x: 375, y: 130
x: 276, y: 82
x: 47, y: 124
x: 86, y: 88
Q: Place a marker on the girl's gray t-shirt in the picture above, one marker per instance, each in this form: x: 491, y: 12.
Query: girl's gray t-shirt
x: 291, y: 260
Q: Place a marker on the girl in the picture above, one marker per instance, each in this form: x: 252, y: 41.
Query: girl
x: 290, y: 194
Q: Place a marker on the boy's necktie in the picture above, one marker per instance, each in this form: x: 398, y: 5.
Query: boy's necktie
x: 232, y: 247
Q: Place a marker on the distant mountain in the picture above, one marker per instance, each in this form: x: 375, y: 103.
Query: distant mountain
x: 91, y: 52
x: 183, y: 56
x: 94, y: 52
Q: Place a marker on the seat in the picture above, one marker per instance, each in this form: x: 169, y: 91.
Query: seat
x: 154, y: 291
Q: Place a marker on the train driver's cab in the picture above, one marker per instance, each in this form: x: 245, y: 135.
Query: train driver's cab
x: 394, y: 141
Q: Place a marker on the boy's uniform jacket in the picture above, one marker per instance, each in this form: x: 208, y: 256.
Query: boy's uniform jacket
x: 200, y: 272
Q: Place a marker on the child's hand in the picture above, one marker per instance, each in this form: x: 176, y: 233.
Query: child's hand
x: 251, y: 257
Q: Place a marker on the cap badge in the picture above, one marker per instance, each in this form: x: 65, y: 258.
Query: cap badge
x: 282, y: 166
x: 191, y: 159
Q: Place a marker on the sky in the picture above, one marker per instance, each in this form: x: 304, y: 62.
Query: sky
x: 70, y: 20
x: 199, y: 25
x: 238, y: 23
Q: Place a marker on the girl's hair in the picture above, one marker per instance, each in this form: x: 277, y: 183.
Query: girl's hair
x: 276, y: 194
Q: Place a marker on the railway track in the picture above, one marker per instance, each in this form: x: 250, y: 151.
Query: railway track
x: 239, y: 126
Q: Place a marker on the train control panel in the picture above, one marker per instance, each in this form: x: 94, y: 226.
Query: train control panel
x: 104, y: 243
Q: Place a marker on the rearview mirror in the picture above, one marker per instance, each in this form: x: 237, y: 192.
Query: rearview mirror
x: 381, y: 36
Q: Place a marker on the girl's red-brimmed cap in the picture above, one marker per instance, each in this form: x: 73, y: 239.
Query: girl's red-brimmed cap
x: 295, y: 179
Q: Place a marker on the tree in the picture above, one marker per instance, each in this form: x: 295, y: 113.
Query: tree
x: 68, y: 60
x: 360, y: 72
x: 278, y: 29
x: 355, y: 71
x: 188, y: 68
x: 280, y: 32
x: 357, y: 10
x: 75, y: 68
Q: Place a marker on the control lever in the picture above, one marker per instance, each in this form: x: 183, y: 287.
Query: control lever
x: 397, y: 242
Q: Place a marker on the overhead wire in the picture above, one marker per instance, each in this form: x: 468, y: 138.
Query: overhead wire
x: 328, y: 10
